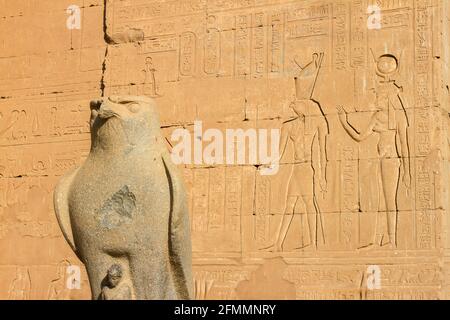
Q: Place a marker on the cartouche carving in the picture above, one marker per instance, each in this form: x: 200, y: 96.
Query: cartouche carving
x: 124, y: 210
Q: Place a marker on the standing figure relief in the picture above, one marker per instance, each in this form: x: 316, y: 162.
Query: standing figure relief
x: 308, y: 131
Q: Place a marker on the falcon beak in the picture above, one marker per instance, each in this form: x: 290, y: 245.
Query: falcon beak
x: 106, y: 110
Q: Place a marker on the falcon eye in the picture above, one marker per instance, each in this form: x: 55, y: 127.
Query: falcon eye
x: 134, y: 107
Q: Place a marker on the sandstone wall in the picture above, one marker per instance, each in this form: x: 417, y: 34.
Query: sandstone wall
x: 362, y: 209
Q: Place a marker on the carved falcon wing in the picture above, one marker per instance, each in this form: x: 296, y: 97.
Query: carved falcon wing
x: 61, y: 204
x: 180, y: 248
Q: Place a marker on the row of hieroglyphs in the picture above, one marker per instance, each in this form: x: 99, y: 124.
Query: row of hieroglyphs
x: 248, y: 42
x: 290, y: 282
x: 61, y: 281
x: 232, y: 283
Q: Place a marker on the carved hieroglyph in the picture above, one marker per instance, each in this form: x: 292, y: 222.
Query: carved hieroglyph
x: 124, y: 210
x: 358, y: 88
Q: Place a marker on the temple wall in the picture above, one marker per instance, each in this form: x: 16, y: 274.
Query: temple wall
x: 363, y: 211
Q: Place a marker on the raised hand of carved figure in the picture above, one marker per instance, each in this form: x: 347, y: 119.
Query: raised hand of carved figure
x: 342, y: 114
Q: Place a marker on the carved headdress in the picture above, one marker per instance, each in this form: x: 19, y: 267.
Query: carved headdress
x: 305, y: 81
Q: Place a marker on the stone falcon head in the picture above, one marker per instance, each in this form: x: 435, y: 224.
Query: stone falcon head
x: 124, y: 121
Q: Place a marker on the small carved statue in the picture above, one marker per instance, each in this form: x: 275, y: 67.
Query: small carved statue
x: 116, y: 288
x: 125, y: 207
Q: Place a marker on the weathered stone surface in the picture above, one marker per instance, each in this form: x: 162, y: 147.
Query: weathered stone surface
x: 124, y: 210
x: 232, y: 64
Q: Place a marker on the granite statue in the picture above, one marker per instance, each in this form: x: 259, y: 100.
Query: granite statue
x: 124, y: 210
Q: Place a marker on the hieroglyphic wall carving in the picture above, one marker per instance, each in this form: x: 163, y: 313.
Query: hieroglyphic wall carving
x: 362, y: 106
x: 48, y: 76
